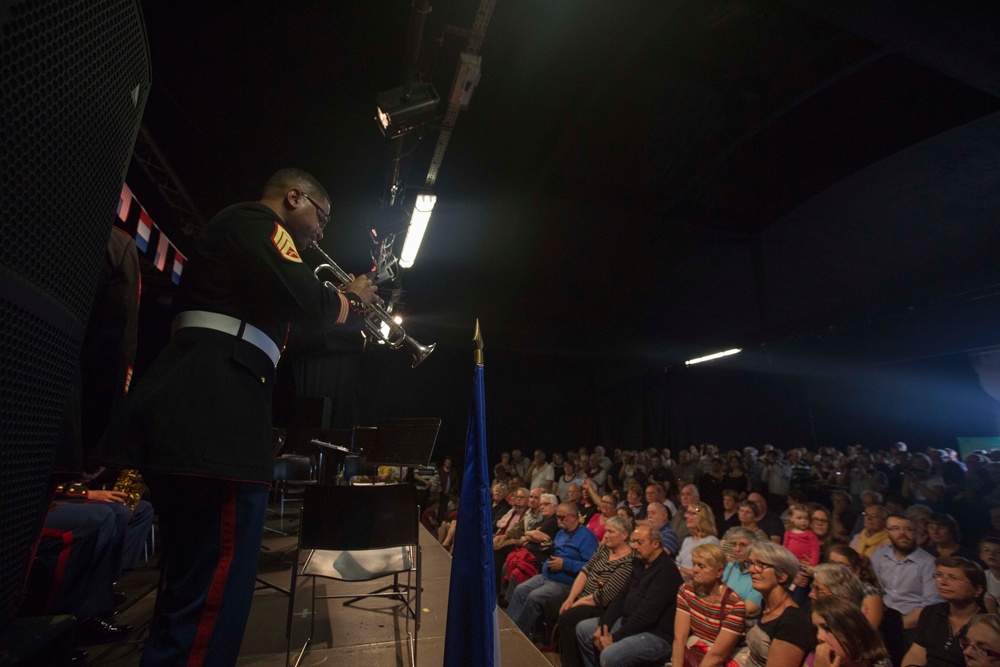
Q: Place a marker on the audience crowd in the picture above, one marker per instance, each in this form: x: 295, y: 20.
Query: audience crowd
x: 752, y: 558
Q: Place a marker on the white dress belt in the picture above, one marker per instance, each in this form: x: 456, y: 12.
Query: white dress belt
x: 204, y: 319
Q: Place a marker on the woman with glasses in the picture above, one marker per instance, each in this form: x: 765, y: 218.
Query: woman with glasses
x: 784, y: 635
x: 844, y: 636
x: 962, y: 584
x: 981, y: 643
x: 600, y: 580
x: 710, y: 616
x: 606, y: 510
x: 871, y: 590
x: 737, y: 577
x: 820, y: 523
x: 701, y: 524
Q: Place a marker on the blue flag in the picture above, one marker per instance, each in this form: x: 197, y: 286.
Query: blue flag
x: 472, y: 636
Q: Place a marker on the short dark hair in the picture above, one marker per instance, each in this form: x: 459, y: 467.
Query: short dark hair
x: 948, y: 521
x: 284, y: 179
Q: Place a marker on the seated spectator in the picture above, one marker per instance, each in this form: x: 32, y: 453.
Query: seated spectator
x: 906, y: 573
x: 596, y: 473
x: 868, y: 498
x: 737, y: 577
x: 598, y: 583
x: 568, y: 477
x: 626, y: 513
x: 701, y: 526
x: 962, y: 584
x: 657, y: 493
x: 944, y: 535
x: 871, y: 591
x: 533, y: 547
x: 730, y: 510
x: 989, y: 553
x: 873, y: 535
x: 768, y: 521
x: 920, y: 515
x: 981, y: 643
x: 843, y: 516
x: 844, y: 637
x: 574, y: 494
x: 572, y: 547
x: 635, y: 501
x: 799, y: 539
x: 640, y: 620
x: 540, y: 473
x: 689, y: 494
x: 820, y: 523
x: 662, y: 474
x: 837, y: 580
x: 512, y: 518
x: 920, y: 485
x: 747, y: 515
x: 500, y: 505
x: 599, y: 520
x: 502, y: 471
x: 710, y: 616
x: 783, y: 636
x: 657, y: 516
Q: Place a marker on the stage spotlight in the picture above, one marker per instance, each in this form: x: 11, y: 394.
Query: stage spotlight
x: 710, y: 357
x: 401, y: 111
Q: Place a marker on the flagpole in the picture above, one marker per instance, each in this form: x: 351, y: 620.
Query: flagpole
x: 472, y: 635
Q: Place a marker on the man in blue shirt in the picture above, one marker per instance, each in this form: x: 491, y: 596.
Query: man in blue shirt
x: 572, y: 547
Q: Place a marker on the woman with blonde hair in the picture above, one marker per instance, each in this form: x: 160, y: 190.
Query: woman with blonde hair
x: 844, y: 636
x: 710, y: 616
x: 701, y: 522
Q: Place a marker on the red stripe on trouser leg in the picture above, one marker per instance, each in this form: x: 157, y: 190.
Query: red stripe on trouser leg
x: 210, y: 612
x: 60, y: 573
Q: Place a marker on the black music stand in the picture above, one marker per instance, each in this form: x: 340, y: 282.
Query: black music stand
x: 397, y: 442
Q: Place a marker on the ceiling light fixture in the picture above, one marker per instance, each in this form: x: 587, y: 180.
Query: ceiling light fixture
x: 418, y: 225
x: 710, y: 357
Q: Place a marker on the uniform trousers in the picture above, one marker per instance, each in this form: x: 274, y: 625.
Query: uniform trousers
x: 76, y: 561
x: 211, y: 533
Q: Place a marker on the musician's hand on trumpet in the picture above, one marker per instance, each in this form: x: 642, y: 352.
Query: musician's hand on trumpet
x: 363, y: 288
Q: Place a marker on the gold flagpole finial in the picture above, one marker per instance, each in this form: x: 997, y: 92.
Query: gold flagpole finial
x: 477, y: 338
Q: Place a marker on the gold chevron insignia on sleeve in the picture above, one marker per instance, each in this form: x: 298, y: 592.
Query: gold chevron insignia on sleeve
x: 283, y: 242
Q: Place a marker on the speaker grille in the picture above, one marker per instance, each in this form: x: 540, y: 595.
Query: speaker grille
x: 74, y: 77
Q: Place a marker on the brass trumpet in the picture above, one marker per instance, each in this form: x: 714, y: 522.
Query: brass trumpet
x: 376, y: 315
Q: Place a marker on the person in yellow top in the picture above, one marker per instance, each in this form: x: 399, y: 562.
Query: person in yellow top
x: 873, y: 534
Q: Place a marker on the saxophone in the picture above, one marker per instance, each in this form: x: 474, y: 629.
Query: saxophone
x: 131, y: 484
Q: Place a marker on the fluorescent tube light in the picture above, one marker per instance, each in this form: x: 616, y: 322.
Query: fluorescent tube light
x: 710, y: 357
x: 418, y: 225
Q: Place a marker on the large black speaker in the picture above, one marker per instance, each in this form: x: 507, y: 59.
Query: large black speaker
x: 74, y: 78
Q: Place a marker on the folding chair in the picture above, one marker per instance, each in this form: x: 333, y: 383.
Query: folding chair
x: 292, y: 473
x: 359, y: 533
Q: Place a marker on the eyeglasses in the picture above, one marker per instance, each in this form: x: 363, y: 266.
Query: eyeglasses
x: 562, y: 516
x: 979, y: 649
x: 987, y: 550
x: 692, y: 510
x: 324, y: 217
x: 756, y: 565
x: 818, y: 520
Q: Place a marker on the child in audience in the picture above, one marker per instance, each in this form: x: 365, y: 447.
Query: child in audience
x: 801, y: 541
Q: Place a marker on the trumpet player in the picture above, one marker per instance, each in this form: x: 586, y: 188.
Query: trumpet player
x: 198, y: 424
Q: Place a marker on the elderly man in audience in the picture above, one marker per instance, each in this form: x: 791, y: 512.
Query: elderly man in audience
x: 572, y: 547
x: 906, y: 574
x: 639, y: 623
x: 657, y: 516
x: 512, y: 518
x: 656, y: 493
x: 540, y: 473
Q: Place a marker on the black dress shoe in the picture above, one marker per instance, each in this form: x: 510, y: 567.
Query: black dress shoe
x: 78, y: 658
x: 93, y: 630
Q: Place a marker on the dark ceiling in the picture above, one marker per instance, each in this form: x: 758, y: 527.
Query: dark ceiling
x: 644, y: 179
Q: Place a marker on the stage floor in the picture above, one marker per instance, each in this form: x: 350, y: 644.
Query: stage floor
x: 369, y: 632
